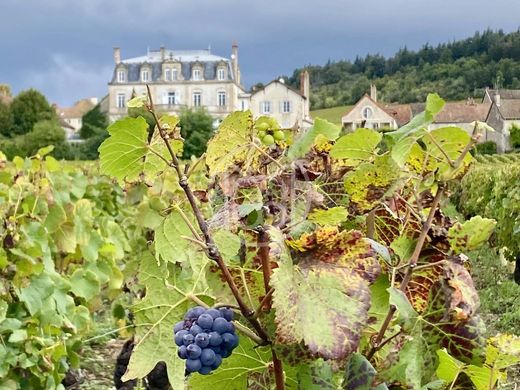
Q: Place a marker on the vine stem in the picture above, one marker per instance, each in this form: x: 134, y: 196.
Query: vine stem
x: 212, y: 251
x: 412, y: 263
x: 263, y: 252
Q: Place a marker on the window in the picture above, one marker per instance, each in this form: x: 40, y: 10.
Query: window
x: 367, y: 112
x: 196, y: 99
x: 266, y: 107
x: 286, y: 106
x: 120, y: 100
x: 171, y: 98
x: 174, y: 74
x: 243, y: 104
x: 221, y: 96
x: 145, y: 75
x: 167, y: 75
x: 196, y: 74
x: 121, y: 76
x: 221, y: 74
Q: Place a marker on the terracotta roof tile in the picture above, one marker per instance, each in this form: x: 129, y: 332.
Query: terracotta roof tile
x: 402, y: 113
x: 79, y: 109
x: 462, y: 112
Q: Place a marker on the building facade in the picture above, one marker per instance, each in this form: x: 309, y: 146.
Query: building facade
x: 180, y: 79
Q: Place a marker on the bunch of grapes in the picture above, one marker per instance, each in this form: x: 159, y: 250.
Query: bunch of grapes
x: 204, y: 338
x: 269, y: 133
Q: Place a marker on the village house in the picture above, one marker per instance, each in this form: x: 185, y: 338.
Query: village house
x: 499, y: 110
x: 71, y: 118
x: 180, y: 79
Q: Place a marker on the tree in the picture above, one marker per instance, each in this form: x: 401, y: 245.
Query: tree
x: 196, y: 129
x: 46, y: 132
x: 6, y: 119
x: 94, y: 122
x: 27, y: 108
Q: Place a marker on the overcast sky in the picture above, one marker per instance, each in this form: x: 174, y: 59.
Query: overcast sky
x: 64, y: 47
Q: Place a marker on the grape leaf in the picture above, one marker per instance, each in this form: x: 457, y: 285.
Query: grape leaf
x: 169, y: 242
x: 357, y: 147
x: 407, y: 314
x: 231, y: 144
x: 449, y: 368
x: 228, y: 243
x: 329, y: 282
x: 360, y: 374
x: 154, y: 164
x: 122, y: 154
x: 246, y: 360
x: 304, y: 143
x: 155, y: 316
x: 471, y: 234
x: 332, y: 216
x: 369, y: 182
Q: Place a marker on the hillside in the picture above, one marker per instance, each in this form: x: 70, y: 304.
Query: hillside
x: 455, y: 70
x: 332, y: 114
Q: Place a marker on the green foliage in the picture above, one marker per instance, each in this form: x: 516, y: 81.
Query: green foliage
x: 455, y: 70
x: 488, y: 147
x: 6, y: 119
x: 196, y: 129
x: 333, y: 227
x: 94, y: 123
x: 514, y: 136
x: 28, y: 108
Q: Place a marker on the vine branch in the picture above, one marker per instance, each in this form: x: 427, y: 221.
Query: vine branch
x: 212, y: 251
x: 412, y: 263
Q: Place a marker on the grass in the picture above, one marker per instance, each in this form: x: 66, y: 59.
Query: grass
x: 332, y: 114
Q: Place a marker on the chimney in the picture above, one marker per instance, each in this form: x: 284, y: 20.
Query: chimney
x: 234, y: 61
x: 305, y: 91
x: 163, y: 53
x: 373, y: 92
x: 497, y: 98
x: 117, y: 55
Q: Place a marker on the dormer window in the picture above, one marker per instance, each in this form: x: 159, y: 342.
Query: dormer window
x: 196, y: 74
x: 121, y: 76
x: 175, y: 74
x: 221, y: 74
x: 145, y: 75
x: 167, y: 74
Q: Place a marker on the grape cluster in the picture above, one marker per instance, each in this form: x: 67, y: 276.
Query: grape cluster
x: 204, y: 338
x: 268, y: 132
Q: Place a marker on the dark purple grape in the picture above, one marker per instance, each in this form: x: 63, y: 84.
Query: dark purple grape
x: 193, y: 365
x: 195, y: 330
x: 182, y: 353
x: 226, y: 353
x: 202, y: 340
x: 217, y: 362
x: 178, y: 326
x: 194, y: 313
x: 220, y: 325
x: 205, y: 321
x: 215, y: 339
x: 179, y: 337
x: 193, y: 351
x: 214, y: 313
x: 227, y: 313
x: 205, y: 370
x: 217, y: 350
x: 207, y: 357
x: 230, y: 327
x: 188, y: 339
x: 229, y: 340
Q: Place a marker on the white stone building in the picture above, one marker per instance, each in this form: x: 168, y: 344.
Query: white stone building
x: 181, y: 79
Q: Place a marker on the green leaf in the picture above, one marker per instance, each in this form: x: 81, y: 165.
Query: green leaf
x: 369, y: 182
x: 407, y: 314
x: 228, y: 243
x: 154, y: 164
x: 39, y: 289
x: 332, y: 216
x: 155, y: 316
x: 18, y: 336
x: 304, y: 143
x: 169, y: 241
x: 360, y: 374
x: 471, y: 234
x: 55, y: 218
x: 326, y: 285
x: 245, y: 361
x: 65, y: 238
x: 122, y: 154
x: 449, y: 368
x: 137, y: 102
x: 356, y: 147
x: 231, y: 145
x: 42, y: 152
x: 85, y: 284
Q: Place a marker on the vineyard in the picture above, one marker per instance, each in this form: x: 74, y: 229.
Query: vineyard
x: 278, y: 260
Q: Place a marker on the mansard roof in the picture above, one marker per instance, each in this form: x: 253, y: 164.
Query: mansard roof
x: 186, y: 58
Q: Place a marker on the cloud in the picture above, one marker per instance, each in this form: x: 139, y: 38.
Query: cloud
x: 67, y: 80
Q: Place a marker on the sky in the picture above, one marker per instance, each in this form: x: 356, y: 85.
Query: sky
x: 64, y: 48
